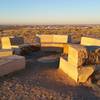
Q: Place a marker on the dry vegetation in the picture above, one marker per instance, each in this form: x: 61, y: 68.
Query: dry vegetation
x: 28, y: 32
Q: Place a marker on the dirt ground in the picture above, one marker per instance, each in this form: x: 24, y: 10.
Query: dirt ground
x: 42, y: 81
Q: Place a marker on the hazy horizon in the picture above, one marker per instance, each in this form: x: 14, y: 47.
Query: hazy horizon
x: 49, y: 12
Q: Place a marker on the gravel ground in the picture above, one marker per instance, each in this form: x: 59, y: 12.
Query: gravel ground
x: 42, y: 81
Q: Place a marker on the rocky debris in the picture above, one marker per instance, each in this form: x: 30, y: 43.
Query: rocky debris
x: 93, y: 55
x: 97, y: 52
x: 85, y: 73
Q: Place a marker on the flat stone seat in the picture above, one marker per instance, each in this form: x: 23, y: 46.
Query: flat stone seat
x: 5, y: 52
x: 90, y: 41
x: 11, y: 64
x: 48, y: 59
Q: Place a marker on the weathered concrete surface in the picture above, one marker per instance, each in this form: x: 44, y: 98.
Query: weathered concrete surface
x: 61, y: 45
x: 77, y: 55
x: 46, y: 38
x: 11, y: 64
x: 53, y: 38
x: 4, y: 53
x: 85, y: 72
x: 60, y: 38
x: 89, y: 41
x: 69, y: 69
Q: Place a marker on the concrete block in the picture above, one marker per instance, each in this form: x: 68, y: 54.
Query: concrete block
x: 60, y: 38
x: 89, y: 41
x: 53, y: 38
x: 11, y: 64
x: 77, y: 55
x: 85, y: 72
x: 12, y: 41
x: 46, y: 38
x: 4, y: 53
x: 5, y: 43
x: 69, y: 69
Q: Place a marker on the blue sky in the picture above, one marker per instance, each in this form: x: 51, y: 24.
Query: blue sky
x: 49, y: 11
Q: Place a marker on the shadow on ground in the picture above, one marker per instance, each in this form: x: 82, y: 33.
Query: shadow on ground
x: 42, y: 81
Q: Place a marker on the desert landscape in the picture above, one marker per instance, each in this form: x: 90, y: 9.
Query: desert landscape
x: 49, y: 50
x: 44, y: 75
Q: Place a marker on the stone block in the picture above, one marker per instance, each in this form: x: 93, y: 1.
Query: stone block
x: 89, y: 41
x: 85, y: 72
x: 12, y: 41
x: 60, y: 38
x: 46, y: 38
x: 4, y: 53
x: 53, y: 38
x: 77, y: 55
x: 5, y: 43
x: 69, y: 69
x: 11, y: 64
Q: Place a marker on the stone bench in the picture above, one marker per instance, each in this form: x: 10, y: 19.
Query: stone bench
x: 54, y: 41
x: 4, y: 53
x: 74, y: 64
x: 17, y: 45
x: 11, y: 64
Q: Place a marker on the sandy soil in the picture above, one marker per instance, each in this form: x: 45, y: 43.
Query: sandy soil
x: 42, y: 81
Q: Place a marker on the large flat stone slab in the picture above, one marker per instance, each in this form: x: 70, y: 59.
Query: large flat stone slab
x: 77, y: 55
x: 69, y: 69
x: 60, y: 38
x: 4, y: 53
x: 53, y: 38
x: 90, y: 41
x: 11, y: 64
x: 46, y: 38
